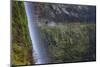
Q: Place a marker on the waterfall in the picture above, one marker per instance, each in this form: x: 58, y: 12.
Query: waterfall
x: 40, y: 51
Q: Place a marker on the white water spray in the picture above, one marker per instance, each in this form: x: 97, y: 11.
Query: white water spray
x: 38, y: 47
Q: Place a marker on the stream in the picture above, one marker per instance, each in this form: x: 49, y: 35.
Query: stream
x: 40, y: 51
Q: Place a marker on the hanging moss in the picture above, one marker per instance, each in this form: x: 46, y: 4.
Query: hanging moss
x: 21, y: 51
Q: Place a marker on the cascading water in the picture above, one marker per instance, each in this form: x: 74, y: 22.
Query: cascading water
x: 39, y: 48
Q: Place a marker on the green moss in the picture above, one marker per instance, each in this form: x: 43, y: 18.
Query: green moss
x: 21, y: 43
x: 70, y: 42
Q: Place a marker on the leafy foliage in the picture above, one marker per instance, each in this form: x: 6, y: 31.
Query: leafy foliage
x: 21, y: 43
x: 70, y: 42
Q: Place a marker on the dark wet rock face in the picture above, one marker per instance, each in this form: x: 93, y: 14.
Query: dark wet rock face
x: 65, y: 12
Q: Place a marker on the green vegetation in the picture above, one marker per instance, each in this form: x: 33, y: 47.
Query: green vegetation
x: 21, y: 52
x: 70, y: 42
x: 67, y: 42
